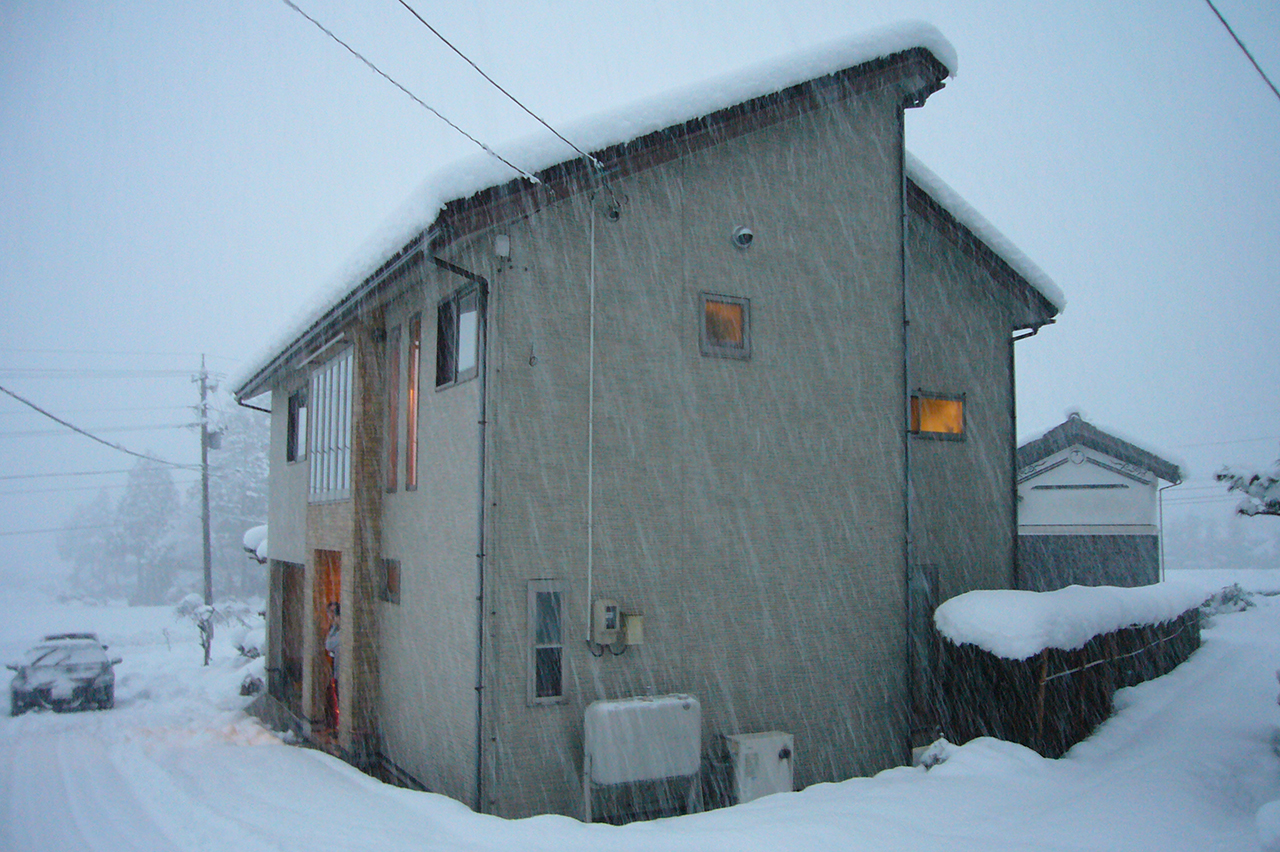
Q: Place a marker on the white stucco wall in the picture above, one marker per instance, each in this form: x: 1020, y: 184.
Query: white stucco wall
x: 1059, y: 495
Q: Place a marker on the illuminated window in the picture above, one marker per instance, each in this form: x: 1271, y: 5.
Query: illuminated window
x: 546, y: 646
x: 411, y: 404
x: 457, y: 337
x: 937, y: 415
x: 726, y: 327
x: 393, y: 406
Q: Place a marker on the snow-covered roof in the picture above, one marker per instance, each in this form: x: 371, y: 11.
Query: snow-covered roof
x: 964, y: 214
x: 1078, y: 431
x: 1016, y: 625
x: 474, y: 175
x: 479, y: 172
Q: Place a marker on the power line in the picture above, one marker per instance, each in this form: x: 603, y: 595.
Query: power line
x: 71, y: 473
x: 84, y: 372
x: 1256, y: 66
x: 107, y: 487
x: 56, y: 530
x: 31, y: 433
x: 494, y: 83
x: 416, y: 99
x: 89, y: 435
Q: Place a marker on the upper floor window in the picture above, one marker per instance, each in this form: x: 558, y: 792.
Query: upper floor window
x: 330, y: 403
x: 392, y: 413
x: 295, y: 441
x: 457, y: 337
x: 726, y: 327
x: 935, y: 415
x: 411, y: 404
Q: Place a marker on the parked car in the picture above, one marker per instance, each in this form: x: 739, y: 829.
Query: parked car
x: 65, y: 671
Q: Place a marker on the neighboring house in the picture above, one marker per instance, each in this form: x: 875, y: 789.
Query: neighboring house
x: 1088, y: 509
x: 584, y: 439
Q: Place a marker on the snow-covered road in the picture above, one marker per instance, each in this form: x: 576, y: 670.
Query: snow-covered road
x: 1185, y: 764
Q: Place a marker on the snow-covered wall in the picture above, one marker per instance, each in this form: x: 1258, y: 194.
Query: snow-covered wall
x: 1017, y: 625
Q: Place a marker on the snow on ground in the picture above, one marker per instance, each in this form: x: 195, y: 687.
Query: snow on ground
x: 1185, y: 763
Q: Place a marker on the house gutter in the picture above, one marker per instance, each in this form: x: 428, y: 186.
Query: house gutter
x: 482, y: 285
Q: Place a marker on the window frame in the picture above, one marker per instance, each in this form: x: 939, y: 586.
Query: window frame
x: 392, y: 431
x: 412, y: 398
x: 536, y: 588
x: 390, y: 578
x: 449, y: 326
x: 329, y: 423
x: 913, y: 424
x: 711, y: 348
x: 295, y: 436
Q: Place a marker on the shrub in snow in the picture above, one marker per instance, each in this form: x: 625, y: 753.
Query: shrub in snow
x: 251, y: 642
x: 1228, y: 599
x: 251, y: 685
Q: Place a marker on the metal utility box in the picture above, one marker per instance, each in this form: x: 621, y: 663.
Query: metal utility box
x: 762, y: 764
x: 643, y: 739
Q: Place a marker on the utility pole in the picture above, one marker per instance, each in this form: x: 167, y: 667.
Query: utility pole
x: 206, y: 630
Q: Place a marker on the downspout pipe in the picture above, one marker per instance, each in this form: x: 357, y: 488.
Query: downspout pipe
x: 908, y: 546
x: 482, y: 372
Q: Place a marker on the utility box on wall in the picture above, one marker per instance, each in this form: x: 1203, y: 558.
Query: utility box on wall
x: 762, y: 764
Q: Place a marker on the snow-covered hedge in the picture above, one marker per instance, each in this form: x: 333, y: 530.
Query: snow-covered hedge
x: 1018, y: 625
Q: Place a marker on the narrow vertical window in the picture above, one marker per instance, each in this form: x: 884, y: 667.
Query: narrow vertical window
x: 390, y: 591
x: 393, y: 407
x: 546, y: 650
x: 330, y: 429
x: 726, y: 327
x: 446, y: 343
x: 295, y: 448
x: 411, y: 404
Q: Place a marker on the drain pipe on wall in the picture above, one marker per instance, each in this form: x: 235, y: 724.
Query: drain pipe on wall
x: 591, y: 420
x: 908, y: 544
x: 482, y: 372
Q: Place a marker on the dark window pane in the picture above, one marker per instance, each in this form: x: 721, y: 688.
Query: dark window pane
x: 547, y: 626
x: 446, y: 343
x: 547, y: 672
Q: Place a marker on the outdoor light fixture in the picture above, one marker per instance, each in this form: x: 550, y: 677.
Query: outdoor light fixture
x: 742, y: 236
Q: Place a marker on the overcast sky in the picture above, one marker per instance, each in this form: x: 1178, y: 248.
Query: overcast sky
x: 182, y: 178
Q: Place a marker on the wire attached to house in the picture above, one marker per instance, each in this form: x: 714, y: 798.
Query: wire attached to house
x: 415, y: 98
x: 1256, y: 66
x: 598, y: 165
x: 90, y: 435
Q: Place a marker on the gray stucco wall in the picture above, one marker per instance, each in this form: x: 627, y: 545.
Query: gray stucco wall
x: 287, y: 485
x: 429, y: 638
x: 1048, y: 562
x: 751, y: 509
x: 960, y: 344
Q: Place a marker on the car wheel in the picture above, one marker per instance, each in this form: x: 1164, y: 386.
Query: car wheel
x: 108, y: 699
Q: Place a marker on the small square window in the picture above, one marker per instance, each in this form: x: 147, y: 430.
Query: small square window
x: 937, y: 415
x: 390, y: 591
x: 726, y: 327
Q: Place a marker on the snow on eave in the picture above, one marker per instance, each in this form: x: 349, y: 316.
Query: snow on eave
x: 478, y: 172
x: 1016, y: 625
x: 946, y: 197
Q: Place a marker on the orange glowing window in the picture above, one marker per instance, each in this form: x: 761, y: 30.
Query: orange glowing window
x: 726, y: 326
x: 937, y: 415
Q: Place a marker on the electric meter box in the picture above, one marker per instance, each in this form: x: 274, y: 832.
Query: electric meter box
x: 606, y: 621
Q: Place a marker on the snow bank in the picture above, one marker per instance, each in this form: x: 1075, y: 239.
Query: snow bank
x: 480, y: 171
x: 1017, y: 625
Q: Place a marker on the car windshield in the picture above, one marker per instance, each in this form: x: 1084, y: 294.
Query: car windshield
x: 65, y: 653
